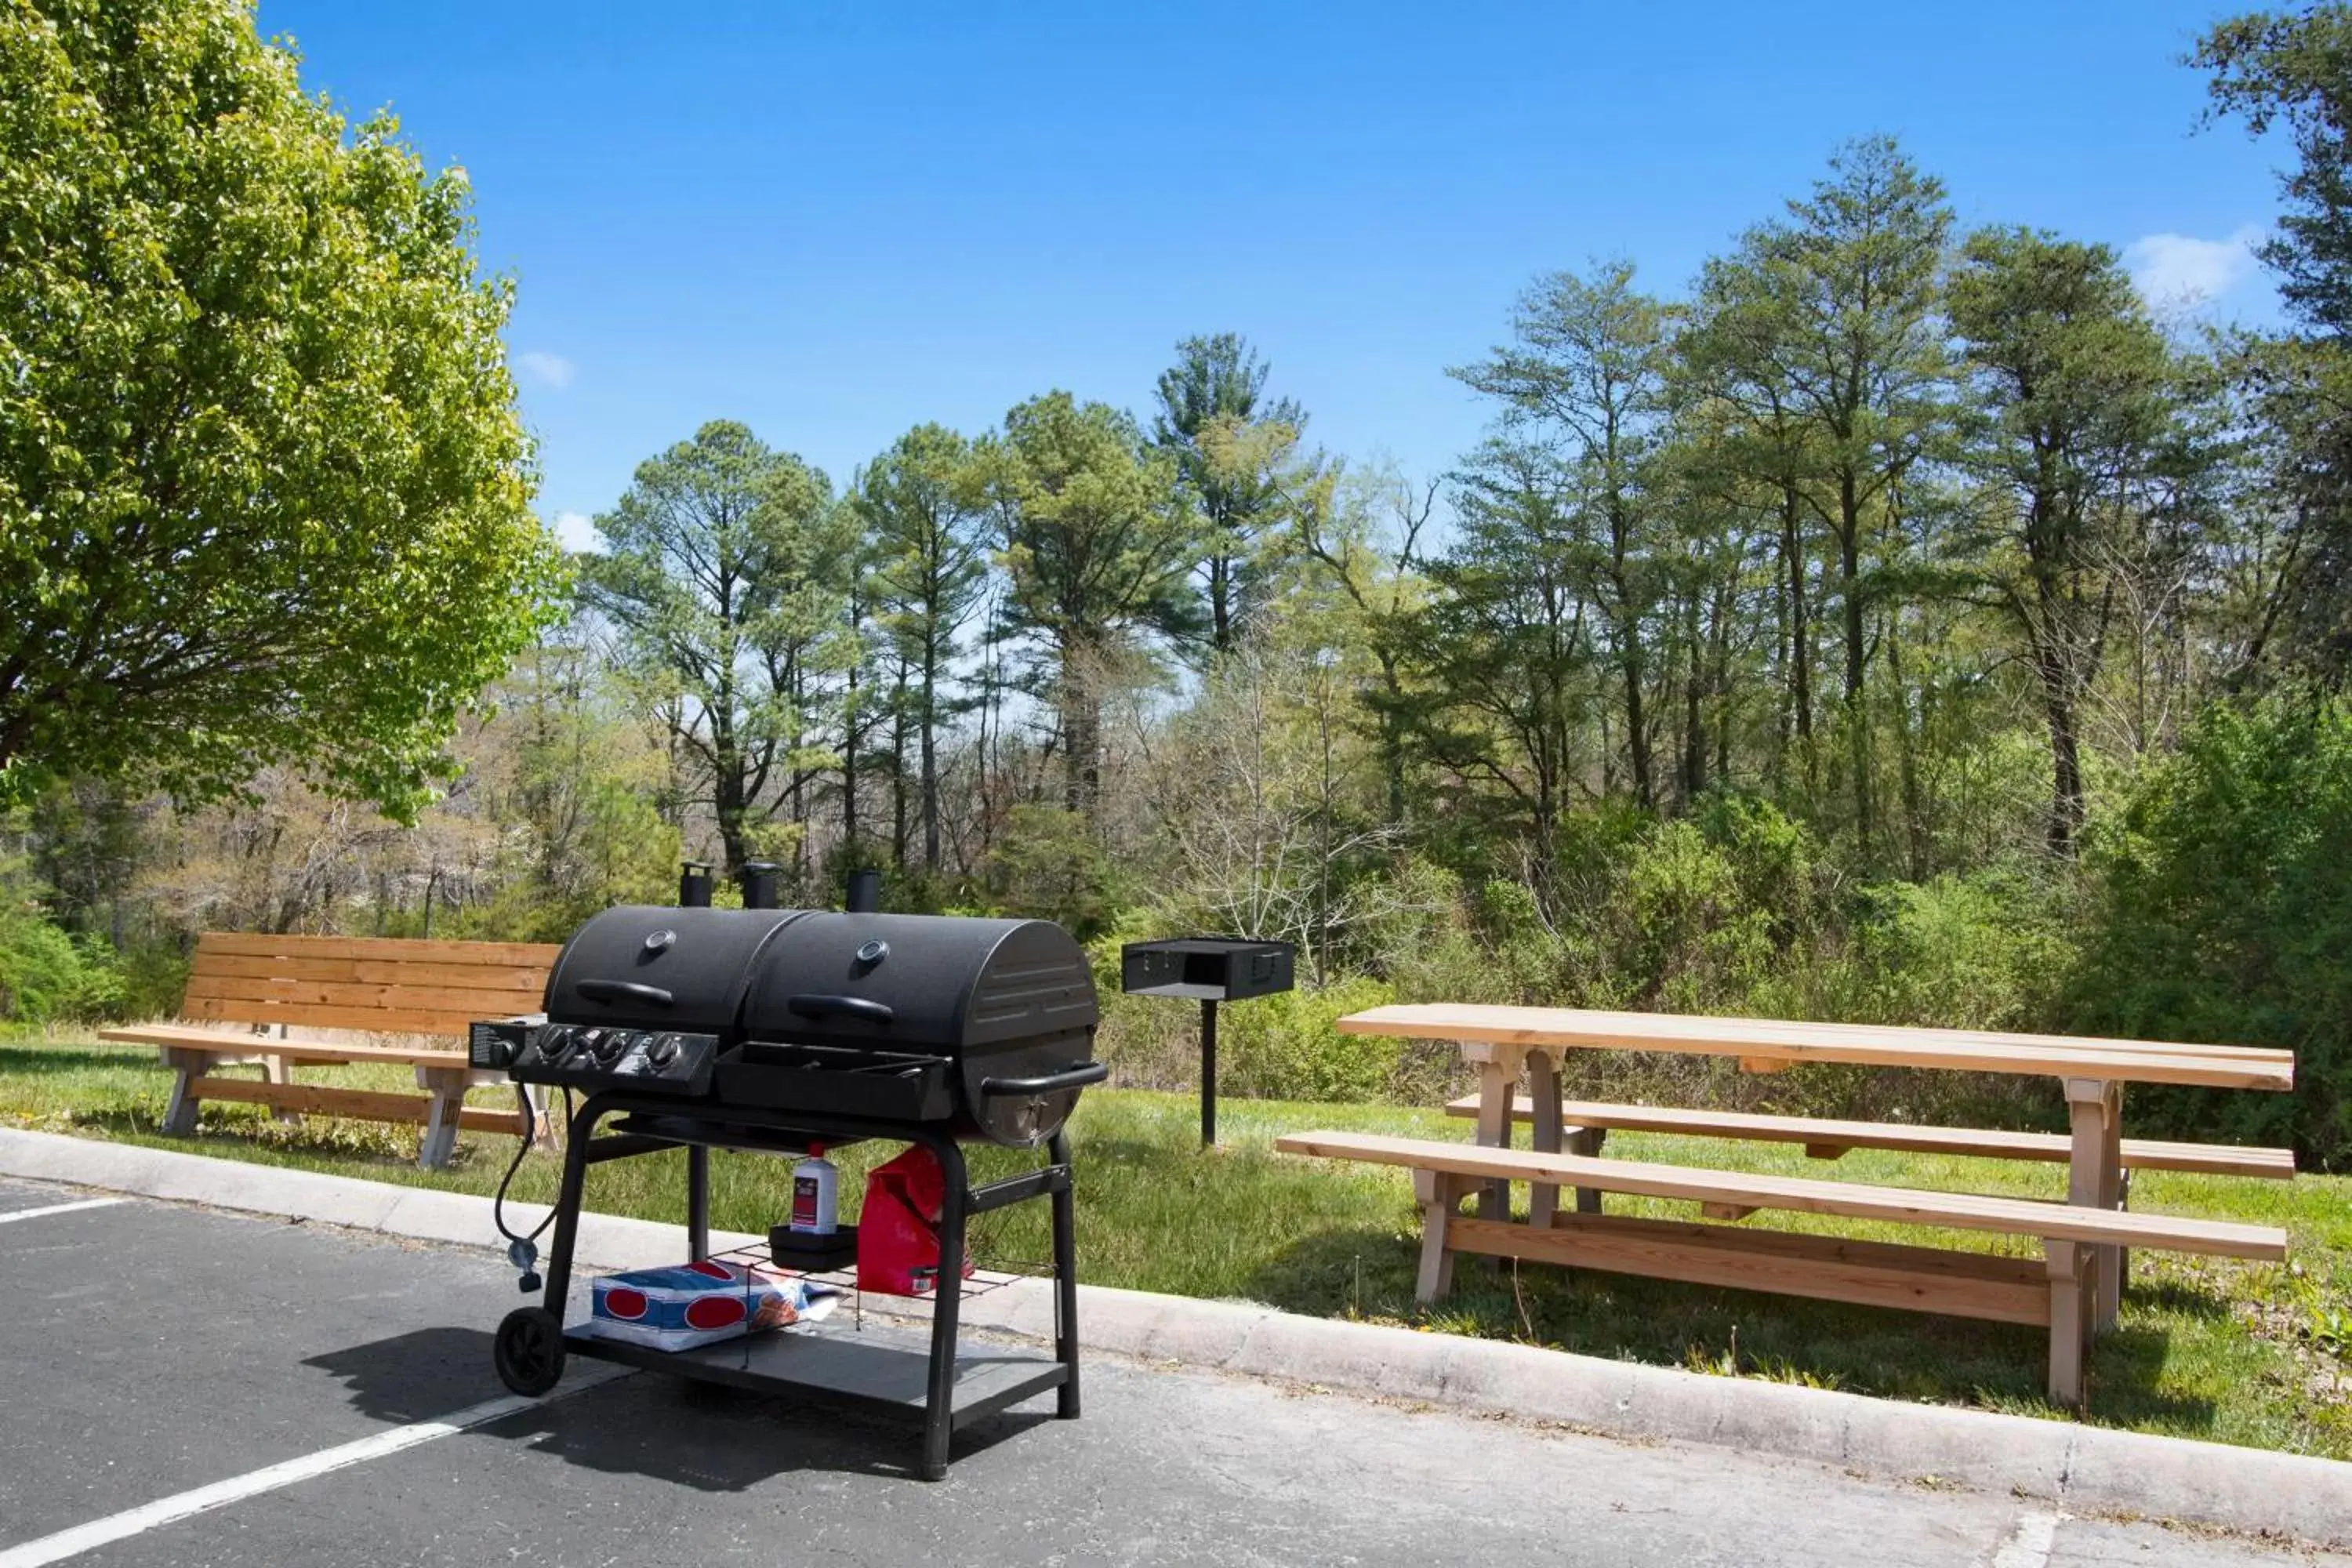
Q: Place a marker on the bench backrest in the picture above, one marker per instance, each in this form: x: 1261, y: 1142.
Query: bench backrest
x: 395, y: 984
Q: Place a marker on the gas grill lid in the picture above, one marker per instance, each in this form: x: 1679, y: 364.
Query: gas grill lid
x: 645, y: 967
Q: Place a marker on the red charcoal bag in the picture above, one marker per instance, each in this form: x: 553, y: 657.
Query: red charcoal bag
x: 899, y: 1227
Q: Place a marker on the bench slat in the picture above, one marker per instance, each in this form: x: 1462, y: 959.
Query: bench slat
x: 210, y: 965
x: 382, y: 949
x: 1959, y: 1211
x: 1824, y: 1267
x: 1773, y: 1039
x: 2140, y: 1153
x: 360, y: 1104
x: 483, y: 1001
x: 381, y: 1020
x: 187, y: 1037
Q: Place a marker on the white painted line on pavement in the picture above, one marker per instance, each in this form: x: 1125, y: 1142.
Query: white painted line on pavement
x: 60, y: 1208
x: 100, y: 1532
x: 2027, y: 1546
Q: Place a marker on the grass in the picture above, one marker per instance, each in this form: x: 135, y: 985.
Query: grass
x: 2250, y: 1354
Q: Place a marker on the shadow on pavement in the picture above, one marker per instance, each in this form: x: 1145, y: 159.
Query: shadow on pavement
x: 698, y: 1435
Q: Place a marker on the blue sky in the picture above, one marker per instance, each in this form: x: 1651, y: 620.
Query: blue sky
x: 836, y: 221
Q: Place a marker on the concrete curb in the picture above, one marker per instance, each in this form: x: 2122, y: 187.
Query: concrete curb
x: 2086, y: 1470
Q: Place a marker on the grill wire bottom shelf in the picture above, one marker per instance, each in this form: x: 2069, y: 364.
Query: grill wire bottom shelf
x: 873, y: 1367
x: 843, y: 1360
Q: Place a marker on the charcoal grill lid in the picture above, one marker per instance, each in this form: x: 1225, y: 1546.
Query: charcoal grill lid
x: 648, y: 966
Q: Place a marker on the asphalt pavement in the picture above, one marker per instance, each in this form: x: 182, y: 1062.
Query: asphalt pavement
x: 306, y: 1380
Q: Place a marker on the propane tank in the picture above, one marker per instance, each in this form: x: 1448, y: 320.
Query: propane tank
x: 816, y: 1194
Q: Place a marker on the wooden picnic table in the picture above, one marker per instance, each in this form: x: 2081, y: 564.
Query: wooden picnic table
x: 1504, y: 1042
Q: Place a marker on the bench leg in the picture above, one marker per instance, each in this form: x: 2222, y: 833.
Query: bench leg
x: 179, y: 1109
x: 277, y: 1069
x: 1587, y: 1141
x: 1497, y: 1083
x: 1437, y: 1193
x: 2094, y: 1179
x: 544, y: 1132
x: 2071, y: 1271
x: 447, y: 1088
x: 1543, y: 1083
x: 2120, y: 1262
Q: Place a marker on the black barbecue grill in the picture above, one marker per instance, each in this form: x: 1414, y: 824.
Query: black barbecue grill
x: 772, y: 1030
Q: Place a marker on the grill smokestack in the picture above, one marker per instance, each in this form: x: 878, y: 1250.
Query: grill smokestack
x: 693, y: 885
x: 865, y: 893
x: 759, y: 884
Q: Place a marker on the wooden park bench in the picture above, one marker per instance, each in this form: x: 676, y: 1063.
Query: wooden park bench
x: 2051, y: 1291
x: 373, y: 986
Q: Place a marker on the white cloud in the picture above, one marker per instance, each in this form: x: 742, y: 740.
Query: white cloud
x: 548, y: 370
x: 576, y: 530
x: 2180, y: 272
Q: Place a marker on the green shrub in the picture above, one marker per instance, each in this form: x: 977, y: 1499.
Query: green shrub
x: 2220, y: 911
x: 1050, y: 864
x: 1284, y: 1047
x: 1976, y: 951
x: 48, y: 976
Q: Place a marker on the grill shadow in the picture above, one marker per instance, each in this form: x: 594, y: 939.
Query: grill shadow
x: 718, y: 1439
x: 705, y: 1437
x: 414, y: 1376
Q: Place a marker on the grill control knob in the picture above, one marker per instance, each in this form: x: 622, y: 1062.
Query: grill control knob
x: 663, y: 1051
x: 613, y: 1045
x: 556, y: 1043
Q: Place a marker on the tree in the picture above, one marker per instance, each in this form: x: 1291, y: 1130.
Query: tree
x: 1216, y: 386
x: 1378, y: 571
x: 263, y: 496
x: 2294, y: 70
x: 1509, y: 689
x: 2076, y: 384
x: 1584, y: 386
x: 1737, y: 402
x: 923, y: 504
x: 1846, y: 289
x: 1097, y: 547
x: 725, y: 572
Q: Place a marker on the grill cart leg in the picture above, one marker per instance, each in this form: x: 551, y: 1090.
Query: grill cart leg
x: 939, y: 1413
x: 567, y: 1206
x: 698, y: 1203
x: 1065, y: 1282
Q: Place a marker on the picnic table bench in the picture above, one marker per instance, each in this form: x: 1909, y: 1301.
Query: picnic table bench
x: 241, y: 985
x: 2074, y: 1289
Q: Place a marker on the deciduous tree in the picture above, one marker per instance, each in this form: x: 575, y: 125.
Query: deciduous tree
x: 264, y: 497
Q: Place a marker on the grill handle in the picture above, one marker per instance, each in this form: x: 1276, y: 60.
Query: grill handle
x: 1077, y: 1075
x: 610, y: 991
x: 873, y: 1012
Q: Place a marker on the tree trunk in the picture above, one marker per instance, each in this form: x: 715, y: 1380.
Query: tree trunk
x: 1857, y: 716
x: 1220, y: 587
x: 727, y: 798
x: 851, y: 730
x: 927, y: 742
x: 1801, y: 634
x: 1694, y: 703
x: 898, y: 767
x: 1392, y: 737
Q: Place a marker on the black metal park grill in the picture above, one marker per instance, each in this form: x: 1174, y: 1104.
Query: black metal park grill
x: 772, y: 1030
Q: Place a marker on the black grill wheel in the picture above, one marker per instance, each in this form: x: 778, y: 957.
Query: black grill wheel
x: 529, y: 1350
